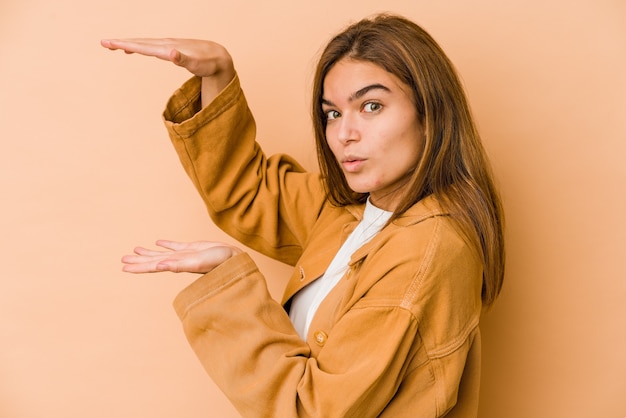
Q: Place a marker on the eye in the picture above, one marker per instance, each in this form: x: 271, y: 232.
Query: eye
x: 332, y: 114
x: 370, y: 107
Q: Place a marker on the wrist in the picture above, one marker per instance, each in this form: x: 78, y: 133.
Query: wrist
x: 213, y: 85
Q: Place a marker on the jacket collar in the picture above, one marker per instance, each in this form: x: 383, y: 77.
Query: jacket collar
x: 424, y: 209
x: 317, y: 257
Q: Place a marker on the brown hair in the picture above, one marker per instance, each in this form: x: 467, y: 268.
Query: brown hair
x: 453, y: 166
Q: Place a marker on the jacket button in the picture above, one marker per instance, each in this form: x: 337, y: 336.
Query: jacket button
x: 320, y: 338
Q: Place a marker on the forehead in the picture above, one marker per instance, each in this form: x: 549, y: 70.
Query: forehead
x: 348, y: 76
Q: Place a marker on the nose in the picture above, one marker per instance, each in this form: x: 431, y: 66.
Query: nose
x: 348, y: 130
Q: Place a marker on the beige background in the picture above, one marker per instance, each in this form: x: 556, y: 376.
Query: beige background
x: 87, y: 172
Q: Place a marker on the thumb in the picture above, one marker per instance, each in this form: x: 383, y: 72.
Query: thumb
x: 183, y: 266
x: 178, y: 57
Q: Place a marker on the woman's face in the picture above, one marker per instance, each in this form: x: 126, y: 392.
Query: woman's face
x: 372, y: 129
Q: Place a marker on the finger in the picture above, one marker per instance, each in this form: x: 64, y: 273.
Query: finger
x: 200, y: 261
x: 168, y: 265
x: 155, y: 41
x: 142, y: 259
x: 114, y: 44
x: 143, y: 264
x: 172, y: 245
x: 141, y: 268
x: 178, y: 246
x: 148, y: 47
x: 107, y: 43
x: 184, y: 265
x: 117, y: 42
x: 186, y: 246
x: 149, y: 252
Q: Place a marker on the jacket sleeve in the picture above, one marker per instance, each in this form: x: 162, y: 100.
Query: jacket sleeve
x: 269, y: 204
x: 248, y: 346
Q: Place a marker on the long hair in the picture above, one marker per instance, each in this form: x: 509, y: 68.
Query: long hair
x: 453, y: 166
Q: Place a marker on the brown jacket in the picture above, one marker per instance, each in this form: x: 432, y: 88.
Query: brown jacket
x: 397, y: 337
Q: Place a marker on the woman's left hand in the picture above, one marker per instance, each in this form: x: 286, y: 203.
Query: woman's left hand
x: 191, y: 257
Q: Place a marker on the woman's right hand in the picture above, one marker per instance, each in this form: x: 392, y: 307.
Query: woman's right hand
x: 205, y: 59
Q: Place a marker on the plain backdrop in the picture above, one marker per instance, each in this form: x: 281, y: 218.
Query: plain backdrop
x: 87, y: 173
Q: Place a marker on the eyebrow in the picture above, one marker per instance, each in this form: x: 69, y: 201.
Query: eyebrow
x: 360, y: 93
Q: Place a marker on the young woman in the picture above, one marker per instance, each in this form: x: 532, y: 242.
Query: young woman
x: 397, y: 242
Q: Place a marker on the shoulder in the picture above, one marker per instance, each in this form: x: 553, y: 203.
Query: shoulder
x: 421, y: 262
x: 434, y: 241
x: 425, y: 267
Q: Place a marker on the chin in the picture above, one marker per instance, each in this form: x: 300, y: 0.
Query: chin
x: 360, y: 190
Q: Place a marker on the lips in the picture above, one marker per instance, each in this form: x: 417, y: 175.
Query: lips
x: 352, y: 164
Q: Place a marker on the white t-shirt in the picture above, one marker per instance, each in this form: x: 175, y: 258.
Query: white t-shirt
x: 307, y: 300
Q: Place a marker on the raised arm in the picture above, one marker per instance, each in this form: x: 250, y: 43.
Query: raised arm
x: 205, y: 59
